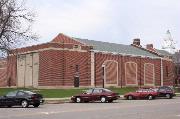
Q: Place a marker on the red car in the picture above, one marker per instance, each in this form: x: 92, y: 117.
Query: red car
x: 141, y: 94
x: 96, y: 94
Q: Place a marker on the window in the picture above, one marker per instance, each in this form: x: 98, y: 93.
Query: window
x: 97, y: 91
x: 77, y: 47
x: 77, y: 68
x: 20, y: 93
x: 11, y: 94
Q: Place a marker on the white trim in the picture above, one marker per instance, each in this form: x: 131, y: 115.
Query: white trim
x: 92, y: 69
x: 124, y: 54
x: 104, y: 65
x: 136, y: 84
x: 145, y: 75
x: 50, y: 48
x: 161, y: 73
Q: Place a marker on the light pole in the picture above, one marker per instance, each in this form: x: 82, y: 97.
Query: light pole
x: 103, y: 75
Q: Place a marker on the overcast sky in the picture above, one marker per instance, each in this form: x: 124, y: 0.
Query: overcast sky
x: 117, y: 21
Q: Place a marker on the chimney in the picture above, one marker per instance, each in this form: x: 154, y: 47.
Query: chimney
x: 149, y: 46
x: 136, y: 42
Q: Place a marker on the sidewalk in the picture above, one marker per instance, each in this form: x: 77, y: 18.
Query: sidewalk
x: 68, y: 99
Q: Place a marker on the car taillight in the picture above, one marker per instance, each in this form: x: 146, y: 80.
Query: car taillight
x: 33, y: 97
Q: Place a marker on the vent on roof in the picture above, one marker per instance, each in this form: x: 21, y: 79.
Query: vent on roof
x: 137, y: 42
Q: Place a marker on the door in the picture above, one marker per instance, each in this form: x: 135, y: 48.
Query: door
x: 96, y: 95
x: 35, y: 69
x: 21, y: 70
x: 10, y: 98
x: 28, y: 71
x: 76, y: 81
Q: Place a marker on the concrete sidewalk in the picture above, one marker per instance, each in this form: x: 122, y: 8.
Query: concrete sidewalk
x: 68, y: 99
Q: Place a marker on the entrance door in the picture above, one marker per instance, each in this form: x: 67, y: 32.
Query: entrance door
x: 76, y: 81
x: 21, y: 70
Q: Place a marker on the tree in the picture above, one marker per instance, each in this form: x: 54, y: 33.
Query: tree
x: 15, y: 25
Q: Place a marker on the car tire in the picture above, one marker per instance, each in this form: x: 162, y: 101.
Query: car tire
x: 36, y: 105
x: 168, y: 96
x: 78, y: 100
x: 150, y: 97
x: 24, y: 103
x: 129, y: 97
x: 103, y: 99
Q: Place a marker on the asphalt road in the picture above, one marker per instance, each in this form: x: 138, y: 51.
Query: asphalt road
x: 121, y: 109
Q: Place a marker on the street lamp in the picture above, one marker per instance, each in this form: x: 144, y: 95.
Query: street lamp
x: 103, y: 74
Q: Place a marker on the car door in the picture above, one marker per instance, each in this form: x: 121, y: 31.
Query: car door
x: 96, y: 95
x: 2, y: 101
x: 10, y: 98
x: 162, y: 91
x: 19, y: 96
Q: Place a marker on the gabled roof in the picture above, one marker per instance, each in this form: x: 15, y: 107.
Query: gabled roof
x: 117, y: 48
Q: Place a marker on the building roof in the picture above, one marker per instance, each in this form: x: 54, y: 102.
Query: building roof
x: 117, y: 48
x: 163, y: 52
x: 176, y: 57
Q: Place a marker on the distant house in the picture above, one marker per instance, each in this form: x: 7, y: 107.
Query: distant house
x: 73, y: 62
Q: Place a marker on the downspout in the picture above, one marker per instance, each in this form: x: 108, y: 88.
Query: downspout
x: 161, y: 72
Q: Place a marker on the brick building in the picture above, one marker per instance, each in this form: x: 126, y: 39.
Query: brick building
x: 176, y: 59
x: 72, y: 62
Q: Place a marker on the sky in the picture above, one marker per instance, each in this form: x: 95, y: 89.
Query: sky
x: 117, y: 21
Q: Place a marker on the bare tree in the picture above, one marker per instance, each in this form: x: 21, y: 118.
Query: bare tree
x: 15, y: 25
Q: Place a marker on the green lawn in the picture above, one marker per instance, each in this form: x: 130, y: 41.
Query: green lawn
x: 60, y: 93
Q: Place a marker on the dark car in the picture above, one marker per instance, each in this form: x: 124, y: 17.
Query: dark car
x: 165, y: 91
x: 21, y: 98
x: 96, y: 94
x: 141, y: 94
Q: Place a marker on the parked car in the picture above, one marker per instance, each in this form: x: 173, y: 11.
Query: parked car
x: 165, y: 91
x: 96, y: 94
x: 21, y: 98
x: 141, y: 94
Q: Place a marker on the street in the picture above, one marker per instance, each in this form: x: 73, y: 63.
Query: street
x: 121, y: 109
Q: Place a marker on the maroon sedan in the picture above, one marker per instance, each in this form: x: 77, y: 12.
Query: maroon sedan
x: 141, y: 94
x: 96, y: 94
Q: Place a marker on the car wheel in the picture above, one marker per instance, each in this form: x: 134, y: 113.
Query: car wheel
x: 130, y: 97
x: 78, y: 99
x: 150, y: 97
x: 36, y: 105
x: 24, y: 103
x: 168, y: 96
x: 103, y: 99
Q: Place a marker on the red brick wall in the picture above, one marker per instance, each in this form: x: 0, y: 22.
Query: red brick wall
x: 58, y: 68
x: 51, y: 68
x: 101, y: 58
x: 169, y: 75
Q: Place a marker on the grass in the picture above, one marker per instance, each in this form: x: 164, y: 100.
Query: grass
x: 61, y: 93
